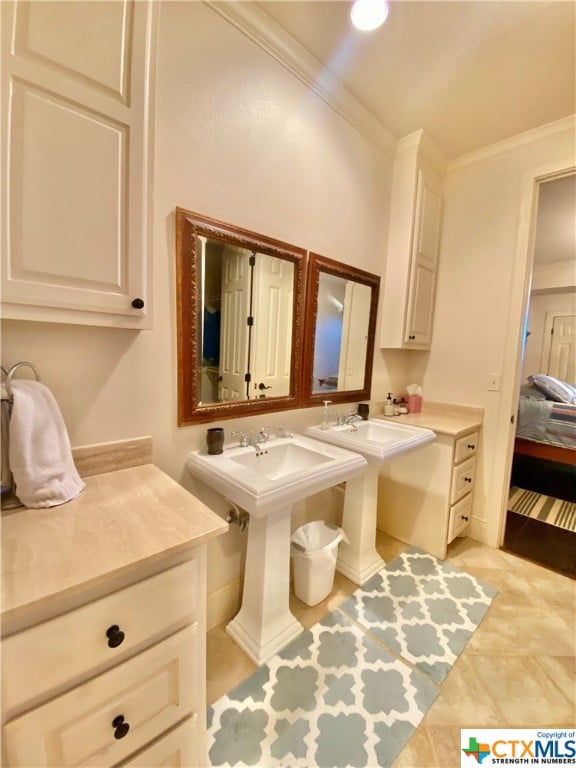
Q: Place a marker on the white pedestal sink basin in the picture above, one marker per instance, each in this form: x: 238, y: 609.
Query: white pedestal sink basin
x: 267, y: 481
x: 378, y: 442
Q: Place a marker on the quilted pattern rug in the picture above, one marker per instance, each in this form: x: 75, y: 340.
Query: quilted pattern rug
x: 351, y: 690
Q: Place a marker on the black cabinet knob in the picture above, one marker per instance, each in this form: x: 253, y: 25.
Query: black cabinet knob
x: 468, y: 479
x: 411, y: 337
x: 138, y: 303
x: 115, y: 636
x: 121, y: 727
x: 471, y: 447
x: 464, y: 518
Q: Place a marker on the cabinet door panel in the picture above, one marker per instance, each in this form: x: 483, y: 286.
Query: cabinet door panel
x: 460, y: 515
x: 462, y: 479
x: 151, y: 692
x: 76, y: 107
x: 60, y: 651
x: 466, y: 446
x: 422, y: 286
x: 176, y: 749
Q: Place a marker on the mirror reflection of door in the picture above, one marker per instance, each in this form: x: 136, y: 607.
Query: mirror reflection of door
x: 354, y: 335
x: 246, y: 330
x: 273, y: 299
x: 234, y: 363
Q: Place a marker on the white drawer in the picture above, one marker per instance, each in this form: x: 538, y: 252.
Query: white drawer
x: 462, y: 479
x: 176, y: 749
x: 151, y: 692
x: 466, y: 446
x: 460, y: 515
x: 75, y: 644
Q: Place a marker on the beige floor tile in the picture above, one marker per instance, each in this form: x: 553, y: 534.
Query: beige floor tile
x: 418, y: 752
x: 226, y: 664
x: 523, y: 692
x: 463, y: 700
x: 562, y: 671
x: 446, y: 744
x: 510, y: 629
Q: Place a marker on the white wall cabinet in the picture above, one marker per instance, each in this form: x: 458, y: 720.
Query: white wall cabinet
x: 77, y: 105
x: 425, y: 498
x: 413, y: 244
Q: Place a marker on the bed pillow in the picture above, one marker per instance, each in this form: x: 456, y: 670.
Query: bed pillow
x: 554, y: 389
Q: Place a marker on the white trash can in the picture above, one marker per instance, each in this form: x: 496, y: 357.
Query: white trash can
x: 314, y: 549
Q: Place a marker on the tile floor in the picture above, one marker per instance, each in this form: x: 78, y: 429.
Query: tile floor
x: 518, y: 671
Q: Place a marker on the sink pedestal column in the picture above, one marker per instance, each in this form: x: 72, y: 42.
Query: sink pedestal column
x: 264, y: 623
x: 358, y: 560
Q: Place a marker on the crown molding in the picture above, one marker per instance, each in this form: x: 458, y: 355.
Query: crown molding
x: 272, y: 38
x: 514, y: 143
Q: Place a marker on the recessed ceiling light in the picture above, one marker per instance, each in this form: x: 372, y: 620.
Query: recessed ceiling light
x: 369, y: 14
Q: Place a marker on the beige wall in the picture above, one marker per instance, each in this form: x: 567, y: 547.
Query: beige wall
x: 241, y: 139
x: 482, y: 291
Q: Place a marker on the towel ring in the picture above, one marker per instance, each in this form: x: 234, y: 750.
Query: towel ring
x: 11, y: 373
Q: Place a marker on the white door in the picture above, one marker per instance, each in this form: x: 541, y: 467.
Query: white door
x: 272, y: 330
x: 234, y: 323
x: 562, y: 358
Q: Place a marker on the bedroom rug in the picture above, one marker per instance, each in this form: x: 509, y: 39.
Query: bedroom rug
x: 337, y: 696
x: 545, y: 508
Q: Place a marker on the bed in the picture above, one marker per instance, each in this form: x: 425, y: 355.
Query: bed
x: 545, y: 428
x: 545, y: 445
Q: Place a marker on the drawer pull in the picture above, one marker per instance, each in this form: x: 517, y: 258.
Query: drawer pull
x: 467, y: 479
x: 115, y: 636
x: 121, y: 728
x: 471, y: 447
x: 465, y: 518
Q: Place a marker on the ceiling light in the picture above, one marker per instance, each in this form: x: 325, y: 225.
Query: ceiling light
x: 369, y: 14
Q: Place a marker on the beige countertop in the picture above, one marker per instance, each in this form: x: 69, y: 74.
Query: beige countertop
x: 122, y: 520
x: 444, y: 418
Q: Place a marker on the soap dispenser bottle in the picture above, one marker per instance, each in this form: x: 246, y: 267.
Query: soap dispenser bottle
x: 325, y: 415
x: 389, y: 405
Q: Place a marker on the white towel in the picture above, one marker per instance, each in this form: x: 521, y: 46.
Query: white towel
x: 40, y: 453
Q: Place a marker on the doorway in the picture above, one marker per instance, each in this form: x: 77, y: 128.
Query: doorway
x: 541, y: 511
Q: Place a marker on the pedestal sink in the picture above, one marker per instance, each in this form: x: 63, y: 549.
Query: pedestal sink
x: 378, y: 442
x: 267, y: 480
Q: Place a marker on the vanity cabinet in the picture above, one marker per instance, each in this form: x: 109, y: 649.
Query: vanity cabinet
x: 413, y: 244
x: 425, y: 497
x: 111, y: 670
x: 77, y: 106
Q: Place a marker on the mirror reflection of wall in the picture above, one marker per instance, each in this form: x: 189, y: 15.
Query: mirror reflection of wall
x: 341, y: 336
x: 328, y: 335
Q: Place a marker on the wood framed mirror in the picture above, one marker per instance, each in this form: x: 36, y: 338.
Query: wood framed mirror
x: 240, y: 320
x: 341, y: 307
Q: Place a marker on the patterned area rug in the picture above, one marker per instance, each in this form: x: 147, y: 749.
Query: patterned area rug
x: 337, y: 696
x: 422, y: 608
x: 545, y: 508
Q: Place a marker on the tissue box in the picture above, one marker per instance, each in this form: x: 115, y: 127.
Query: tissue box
x: 414, y: 403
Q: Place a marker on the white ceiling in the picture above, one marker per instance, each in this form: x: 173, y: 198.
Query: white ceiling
x: 469, y: 72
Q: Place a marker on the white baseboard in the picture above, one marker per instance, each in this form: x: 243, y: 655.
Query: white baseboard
x: 224, y: 603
